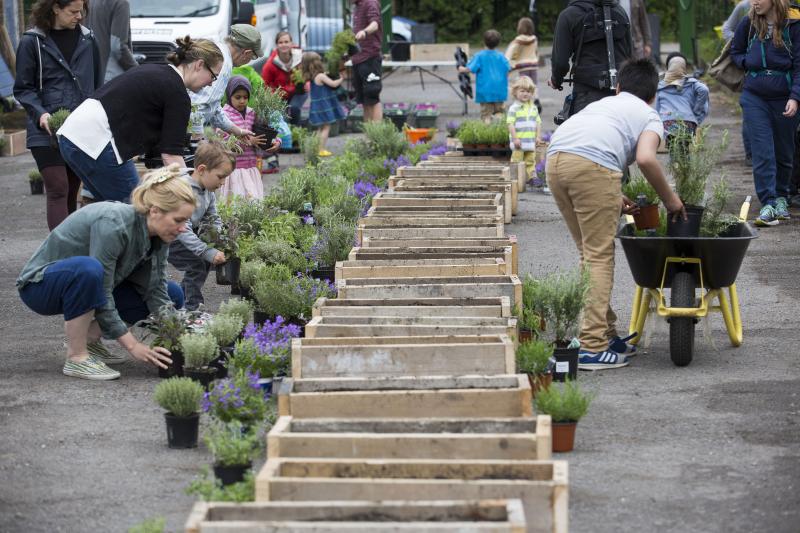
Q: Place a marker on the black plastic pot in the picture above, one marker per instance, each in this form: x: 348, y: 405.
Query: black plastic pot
x: 399, y: 120
x: 259, y: 317
x: 262, y: 128
x: 245, y: 292
x: 230, y: 474
x: 221, y: 361
x: 566, y: 364
x: 174, y: 369
x: 232, y: 269
x: 686, y: 228
x: 353, y: 49
x: 37, y: 187
x: 182, y: 431
x: 222, y: 275
x: 204, y: 376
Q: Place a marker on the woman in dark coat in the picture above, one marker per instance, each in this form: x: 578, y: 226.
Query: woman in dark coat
x: 56, y: 69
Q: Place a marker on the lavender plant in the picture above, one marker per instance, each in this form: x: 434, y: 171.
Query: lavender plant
x: 236, y: 398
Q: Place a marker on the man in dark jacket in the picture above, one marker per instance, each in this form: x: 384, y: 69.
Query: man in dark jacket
x: 110, y: 21
x: 580, y: 38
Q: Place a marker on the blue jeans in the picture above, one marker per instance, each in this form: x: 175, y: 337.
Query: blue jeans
x: 74, y: 286
x: 103, y: 177
x: 771, y: 137
x: 295, y: 107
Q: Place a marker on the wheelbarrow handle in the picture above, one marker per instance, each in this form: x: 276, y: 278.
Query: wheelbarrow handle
x: 745, y: 209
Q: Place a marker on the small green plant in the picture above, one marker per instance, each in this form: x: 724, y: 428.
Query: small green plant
x: 198, y: 349
x: 168, y: 324
x: 468, y: 132
x: 34, y: 176
x: 533, y: 356
x: 340, y: 44
x: 179, y: 396
x: 565, y: 403
x: 268, y: 104
x: 333, y: 244
x: 497, y: 133
x: 237, y: 307
x: 210, y: 489
x: 247, y: 356
x: 637, y: 185
x: 297, y: 76
x: 558, y: 300
x: 57, y: 119
x: 384, y: 140
x: 299, y: 134
x: 231, y: 443
x: 225, y: 328
x: 152, y: 525
x: 273, y: 252
x: 715, y: 220
x: 310, y: 147
x: 692, y: 159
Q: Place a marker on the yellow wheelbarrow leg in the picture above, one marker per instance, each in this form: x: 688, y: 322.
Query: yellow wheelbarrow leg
x: 731, y: 315
x: 641, y: 306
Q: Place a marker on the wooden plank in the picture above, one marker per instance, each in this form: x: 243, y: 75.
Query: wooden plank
x: 454, y: 171
x: 428, y: 438
x: 418, y: 268
x: 420, y: 254
x: 368, y: 516
x: 407, y: 397
x: 435, y: 52
x: 377, y: 326
x: 433, y: 287
x: 518, y: 171
x: 434, y: 232
x: 495, y: 211
x: 327, y: 357
x: 541, y: 485
x: 443, y: 307
x: 403, y: 221
x: 450, y: 183
x: 456, y: 188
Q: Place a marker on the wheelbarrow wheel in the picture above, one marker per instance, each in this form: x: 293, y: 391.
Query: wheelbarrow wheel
x: 681, y: 329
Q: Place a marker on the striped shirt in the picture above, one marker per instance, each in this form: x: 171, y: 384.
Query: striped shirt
x: 526, y: 121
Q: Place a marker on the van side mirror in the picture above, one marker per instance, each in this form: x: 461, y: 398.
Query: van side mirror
x: 245, y: 14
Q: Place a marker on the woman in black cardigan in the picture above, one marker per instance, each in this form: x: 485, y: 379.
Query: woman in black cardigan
x: 143, y: 109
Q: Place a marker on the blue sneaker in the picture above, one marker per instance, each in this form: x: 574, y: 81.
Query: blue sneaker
x: 621, y: 346
x: 767, y: 216
x: 782, y: 209
x: 600, y: 360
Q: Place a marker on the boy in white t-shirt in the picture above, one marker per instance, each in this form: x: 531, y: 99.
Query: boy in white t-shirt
x: 585, y: 160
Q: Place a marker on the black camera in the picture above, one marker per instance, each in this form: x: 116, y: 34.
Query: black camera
x: 565, y: 112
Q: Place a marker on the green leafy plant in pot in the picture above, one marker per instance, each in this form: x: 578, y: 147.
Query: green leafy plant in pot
x: 692, y: 159
x: 180, y: 398
x: 199, y: 350
x: 535, y: 358
x: 344, y: 42
x: 233, y: 448
x: 166, y: 327
x: 639, y: 191
x: 36, y: 182
x: 210, y: 489
x: 237, y: 307
x: 716, y: 221
x: 268, y: 105
x: 566, y: 405
x: 225, y: 329
x: 55, y: 121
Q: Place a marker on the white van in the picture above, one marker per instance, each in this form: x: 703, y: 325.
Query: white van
x: 155, y: 24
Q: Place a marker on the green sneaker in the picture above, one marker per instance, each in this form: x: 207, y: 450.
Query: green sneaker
x: 91, y: 368
x: 98, y: 350
x: 782, y: 209
x: 767, y: 216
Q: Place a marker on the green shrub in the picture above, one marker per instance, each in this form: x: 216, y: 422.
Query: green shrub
x: 339, y: 47
x: 558, y: 299
x: 268, y: 104
x: 715, y: 220
x: 565, y: 403
x: 292, y: 190
x: 384, y: 140
x: 280, y: 253
x: 334, y: 244
x: 692, y: 159
x: 247, y: 357
x: 310, y: 147
x: 179, y: 396
x: 533, y: 356
x: 225, y: 329
x: 290, y: 297
x: 198, y: 349
x: 209, y: 489
x: 230, y: 445
x: 34, y: 176
x: 637, y: 185
x: 238, y: 307
x: 152, y: 525
x: 57, y: 119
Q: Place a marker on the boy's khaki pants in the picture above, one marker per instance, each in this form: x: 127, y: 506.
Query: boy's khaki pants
x: 530, y: 161
x: 492, y: 110
x: 589, y: 197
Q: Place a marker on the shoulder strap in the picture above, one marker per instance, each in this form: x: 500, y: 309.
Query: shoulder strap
x: 609, y: 27
x: 580, y: 42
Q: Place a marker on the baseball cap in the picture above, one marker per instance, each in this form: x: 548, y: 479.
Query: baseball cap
x: 246, y: 37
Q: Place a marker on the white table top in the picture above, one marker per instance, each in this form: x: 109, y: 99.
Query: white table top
x: 411, y: 64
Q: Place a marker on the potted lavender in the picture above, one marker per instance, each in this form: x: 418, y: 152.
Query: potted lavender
x: 236, y: 398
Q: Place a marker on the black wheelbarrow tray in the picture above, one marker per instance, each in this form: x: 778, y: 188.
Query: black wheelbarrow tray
x: 685, y: 264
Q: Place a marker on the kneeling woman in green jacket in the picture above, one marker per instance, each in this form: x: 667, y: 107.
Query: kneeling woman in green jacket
x: 105, y: 266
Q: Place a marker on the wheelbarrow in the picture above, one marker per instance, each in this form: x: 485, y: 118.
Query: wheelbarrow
x: 684, y: 265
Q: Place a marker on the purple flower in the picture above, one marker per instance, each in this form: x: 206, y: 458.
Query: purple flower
x: 540, y: 166
x: 307, y: 219
x: 546, y: 136
x: 365, y: 188
x: 272, y: 336
x: 394, y: 164
x: 452, y: 125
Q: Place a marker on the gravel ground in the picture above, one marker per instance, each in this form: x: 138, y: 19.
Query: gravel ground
x: 711, y: 447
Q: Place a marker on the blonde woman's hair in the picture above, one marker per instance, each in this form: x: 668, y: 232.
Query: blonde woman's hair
x: 311, y: 65
x: 523, y: 83
x: 760, y: 25
x: 190, y: 50
x: 163, y: 188
x: 214, y: 154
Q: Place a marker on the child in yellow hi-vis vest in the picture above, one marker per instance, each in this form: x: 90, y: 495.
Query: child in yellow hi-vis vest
x: 524, y: 124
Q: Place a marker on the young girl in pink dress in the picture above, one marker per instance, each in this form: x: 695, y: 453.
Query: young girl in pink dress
x: 246, y: 178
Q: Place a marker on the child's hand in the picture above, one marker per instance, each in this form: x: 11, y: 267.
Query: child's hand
x: 219, y: 259
x: 256, y: 140
x: 517, y: 142
x: 629, y: 207
x: 276, y: 144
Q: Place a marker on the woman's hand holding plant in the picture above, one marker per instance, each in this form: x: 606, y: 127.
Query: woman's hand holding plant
x: 46, y: 127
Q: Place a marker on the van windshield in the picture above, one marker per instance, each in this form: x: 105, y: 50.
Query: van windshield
x: 173, y: 9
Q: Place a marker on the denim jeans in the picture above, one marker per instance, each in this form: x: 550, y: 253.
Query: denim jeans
x: 74, y: 286
x: 103, y: 177
x: 771, y: 137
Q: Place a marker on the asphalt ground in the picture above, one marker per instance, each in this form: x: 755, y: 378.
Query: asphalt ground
x: 712, y: 447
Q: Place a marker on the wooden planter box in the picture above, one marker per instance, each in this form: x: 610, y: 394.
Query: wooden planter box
x: 14, y: 143
x: 504, y: 439
x: 368, y: 516
x: 441, y: 307
x: 422, y: 268
x: 439, y: 212
x: 470, y: 183
x: 416, y: 221
x: 518, y: 171
x: 420, y: 326
x: 401, y: 198
x: 541, y: 485
x: 453, y: 287
x: 445, y: 355
x: 454, y: 254
x: 430, y: 232
x: 422, y: 170
x: 407, y: 397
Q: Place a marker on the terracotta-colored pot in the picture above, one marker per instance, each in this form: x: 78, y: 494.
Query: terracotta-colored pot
x: 539, y: 382
x: 564, y: 436
x: 647, y: 218
x: 525, y: 335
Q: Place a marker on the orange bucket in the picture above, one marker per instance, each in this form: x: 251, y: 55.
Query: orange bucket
x: 415, y: 135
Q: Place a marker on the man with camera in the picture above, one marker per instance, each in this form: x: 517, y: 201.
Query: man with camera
x: 595, y: 36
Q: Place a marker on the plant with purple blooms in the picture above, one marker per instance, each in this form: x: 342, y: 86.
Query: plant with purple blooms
x: 452, y: 127
x: 538, y: 178
x: 393, y: 164
x: 362, y: 189
x: 236, y: 398
x: 334, y: 242
x: 546, y: 136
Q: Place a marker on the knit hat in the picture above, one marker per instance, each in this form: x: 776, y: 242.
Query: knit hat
x: 236, y: 83
x: 246, y: 37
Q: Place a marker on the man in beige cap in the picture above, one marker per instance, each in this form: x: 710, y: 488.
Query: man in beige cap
x: 242, y: 45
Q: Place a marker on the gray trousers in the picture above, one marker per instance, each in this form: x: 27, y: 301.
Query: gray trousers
x: 195, y: 271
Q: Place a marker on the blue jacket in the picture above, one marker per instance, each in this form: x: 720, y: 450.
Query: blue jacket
x: 491, y: 76
x: 688, y: 103
x: 771, y: 73
x: 46, y: 82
